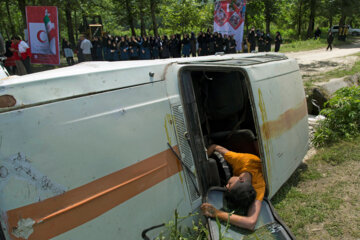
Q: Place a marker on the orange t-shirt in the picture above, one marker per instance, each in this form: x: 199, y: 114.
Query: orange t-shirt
x: 244, y: 162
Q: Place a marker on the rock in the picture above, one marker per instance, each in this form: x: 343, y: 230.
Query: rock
x: 323, y: 91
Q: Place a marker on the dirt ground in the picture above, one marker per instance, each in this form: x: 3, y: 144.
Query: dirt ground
x: 319, y: 61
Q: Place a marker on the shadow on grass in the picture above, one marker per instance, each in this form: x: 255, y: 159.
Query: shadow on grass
x: 293, y: 181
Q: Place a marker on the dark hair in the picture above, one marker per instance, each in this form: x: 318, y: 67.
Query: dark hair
x: 241, y: 196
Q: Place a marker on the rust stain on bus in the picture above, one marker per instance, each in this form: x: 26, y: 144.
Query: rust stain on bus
x: 285, y: 121
x: 62, y: 213
x: 7, y: 101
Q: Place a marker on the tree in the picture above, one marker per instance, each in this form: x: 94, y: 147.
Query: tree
x: 69, y: 23
x: 141, y: 6
x: 12, y: 28
x: 22, y: 5
x: 153, y: 7
x: 130, y: 18
x: 313, y: 4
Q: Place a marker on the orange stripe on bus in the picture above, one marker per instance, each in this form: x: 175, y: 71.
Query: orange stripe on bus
x: 62, y: 213
x: 285, y: 121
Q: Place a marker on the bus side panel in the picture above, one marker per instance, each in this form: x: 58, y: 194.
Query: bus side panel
x: 76, y: 161
x: 282, y: 116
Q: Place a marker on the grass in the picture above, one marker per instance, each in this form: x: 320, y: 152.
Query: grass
x: 311, y: 44
x: 321, y: 199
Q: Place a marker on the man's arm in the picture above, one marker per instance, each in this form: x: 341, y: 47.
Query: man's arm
x: 247, y: 222
x: 217, y: 148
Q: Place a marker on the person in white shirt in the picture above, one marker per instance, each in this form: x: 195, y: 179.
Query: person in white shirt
x: 25, y: 54
x: 86, y: 48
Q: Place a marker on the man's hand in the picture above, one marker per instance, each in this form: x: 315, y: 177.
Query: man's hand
x: 211, y: 149
x: 218, y: 148
x: 209, y: 210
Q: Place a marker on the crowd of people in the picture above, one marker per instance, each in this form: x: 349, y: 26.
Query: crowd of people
x: 118, y: 48
x: 262, y: 40
x: 115, y: 48
x: 18, y: 55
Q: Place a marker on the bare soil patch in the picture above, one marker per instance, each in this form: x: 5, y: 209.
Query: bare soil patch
x: 317, y: 62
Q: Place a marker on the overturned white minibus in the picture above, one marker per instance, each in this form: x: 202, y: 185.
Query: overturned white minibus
x: 106, y: 150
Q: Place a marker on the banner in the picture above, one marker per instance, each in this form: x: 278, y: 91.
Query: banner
x: 229, y: 16
x: 43, y: 34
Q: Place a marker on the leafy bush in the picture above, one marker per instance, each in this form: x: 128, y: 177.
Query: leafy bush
x: 342, y: 120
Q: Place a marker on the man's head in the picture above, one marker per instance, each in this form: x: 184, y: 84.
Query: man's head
x: 16, y: 39
x: 241, y: 193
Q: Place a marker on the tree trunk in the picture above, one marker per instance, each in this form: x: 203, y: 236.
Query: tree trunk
x: 310, y: 30
x: 300, y: 18
x: 142, y: 21
x: 22, y: 5
x: 12, y: 28
x: 76, y: 26
x: 153, y: 17
x: 130, y: 17
x: 330, y: 21
x: 267, y: 15
x: 69, y: 23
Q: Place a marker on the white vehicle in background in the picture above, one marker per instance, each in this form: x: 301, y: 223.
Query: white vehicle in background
x: 353, y: 31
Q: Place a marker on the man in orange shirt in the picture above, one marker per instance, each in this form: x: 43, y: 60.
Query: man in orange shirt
x: 246, y: 188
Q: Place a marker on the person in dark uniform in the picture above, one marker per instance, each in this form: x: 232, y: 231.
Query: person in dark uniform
x: 261, y: 41
x: 317, y: 33
x: 178, y: 43
x: 211, y: 45
x: 231, y: 44
x: 96, y: 50
x: 164, y: 49
x: 186, y: 45
x: 193, y: 44
x: 226, y: 43
x: 105, y: 46
x: 145, y: 52
x: 155, y: 47
x: 123, y: 48
x: 114, y: 52
x: 134, y: 49
x: 173, y: 45
x: 202, y: 44
x: 268, y: 41
x: 252, y: 39
x: 278, y: 41
x: 330, y: 40
x: 219, y: 43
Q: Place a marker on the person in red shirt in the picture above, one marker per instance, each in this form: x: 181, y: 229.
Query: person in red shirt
x: 21, y: 55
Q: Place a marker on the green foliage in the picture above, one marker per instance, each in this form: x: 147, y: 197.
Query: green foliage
x: 222, y: 233
x: 342, y: 120
x: 186, y: 16
x: 197, y: 232
x: 174, y: 231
